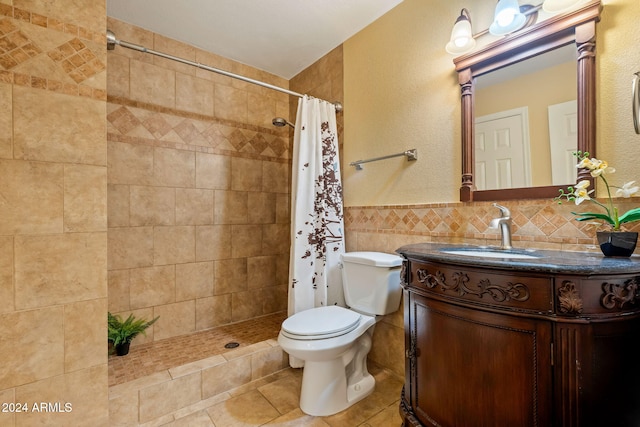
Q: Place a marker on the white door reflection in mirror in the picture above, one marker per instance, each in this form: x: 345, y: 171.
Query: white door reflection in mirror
x: 536, y: 84
x: 502, y: 150
x: 563, y: 134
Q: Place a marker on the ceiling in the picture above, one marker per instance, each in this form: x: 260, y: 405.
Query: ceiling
x: 282, y: 37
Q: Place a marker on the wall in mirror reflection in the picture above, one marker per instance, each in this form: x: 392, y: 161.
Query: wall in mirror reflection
x: 536, y: 97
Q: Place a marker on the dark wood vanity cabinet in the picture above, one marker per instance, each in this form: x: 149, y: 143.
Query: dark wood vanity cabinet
x: 497, y: 346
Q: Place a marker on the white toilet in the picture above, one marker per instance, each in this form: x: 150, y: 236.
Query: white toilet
x: 334, y: 341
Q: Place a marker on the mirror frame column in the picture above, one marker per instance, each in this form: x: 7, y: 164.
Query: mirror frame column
x: 586, y: 45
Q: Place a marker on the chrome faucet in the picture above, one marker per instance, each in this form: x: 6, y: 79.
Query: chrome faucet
x: 504, y: 222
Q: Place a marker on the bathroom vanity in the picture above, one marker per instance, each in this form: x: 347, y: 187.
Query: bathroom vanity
x: 519, y: 338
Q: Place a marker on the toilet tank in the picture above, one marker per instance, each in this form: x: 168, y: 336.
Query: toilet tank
x: 371, y: 281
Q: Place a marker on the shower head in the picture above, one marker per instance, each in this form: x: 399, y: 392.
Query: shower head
x: 280, y: 122
x: 111, y: 40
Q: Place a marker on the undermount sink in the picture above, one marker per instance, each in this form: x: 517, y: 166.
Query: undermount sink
x: 490, y: 253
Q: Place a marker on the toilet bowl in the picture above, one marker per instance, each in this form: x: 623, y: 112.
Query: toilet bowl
x: 334, y: 341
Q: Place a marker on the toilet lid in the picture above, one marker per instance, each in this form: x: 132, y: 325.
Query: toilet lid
x: 321, y: 323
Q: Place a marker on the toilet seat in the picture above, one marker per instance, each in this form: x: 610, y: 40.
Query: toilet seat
x: 320, y: 323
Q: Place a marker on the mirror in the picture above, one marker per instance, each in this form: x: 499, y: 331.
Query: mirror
x: 568, y: 36
x: 526, y: 123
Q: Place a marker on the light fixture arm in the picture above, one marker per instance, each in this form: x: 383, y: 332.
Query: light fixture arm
x: 464, y: 14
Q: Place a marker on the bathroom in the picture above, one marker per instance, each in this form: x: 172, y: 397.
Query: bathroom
x: 70, y: 246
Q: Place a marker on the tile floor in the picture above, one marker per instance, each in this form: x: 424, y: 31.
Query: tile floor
x: 269, y: 401
x: 273, y: 401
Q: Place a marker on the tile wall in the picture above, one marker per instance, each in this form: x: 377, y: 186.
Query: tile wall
x: 198, y: 188
x: 53, y: 213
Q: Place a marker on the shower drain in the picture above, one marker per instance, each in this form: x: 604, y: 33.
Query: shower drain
x: 231, y: 345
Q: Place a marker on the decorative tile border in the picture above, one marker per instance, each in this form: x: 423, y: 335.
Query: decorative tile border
x: 146, y: 124
x: 74, y: 58
x: 51, y: 23
x: 36, y: 82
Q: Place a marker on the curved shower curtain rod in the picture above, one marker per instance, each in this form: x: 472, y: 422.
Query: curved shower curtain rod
x: 112, y: 41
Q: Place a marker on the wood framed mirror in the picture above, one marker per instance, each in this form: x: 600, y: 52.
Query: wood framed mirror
x: 576, y: 28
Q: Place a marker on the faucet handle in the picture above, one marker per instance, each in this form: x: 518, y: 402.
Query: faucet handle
x: 504, y: 211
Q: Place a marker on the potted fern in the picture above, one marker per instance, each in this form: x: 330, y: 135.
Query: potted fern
x: 121, y: 333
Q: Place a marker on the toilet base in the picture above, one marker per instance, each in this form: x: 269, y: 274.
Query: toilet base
x: 329, y: 393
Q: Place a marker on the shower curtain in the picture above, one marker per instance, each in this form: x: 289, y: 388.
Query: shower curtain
x: 316, y: 209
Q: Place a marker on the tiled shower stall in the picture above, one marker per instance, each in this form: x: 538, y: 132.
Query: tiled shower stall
x: 198, y: 189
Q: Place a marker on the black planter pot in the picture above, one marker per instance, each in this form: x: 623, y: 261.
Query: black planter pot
x: 123, y: 349
x: 617, y: 243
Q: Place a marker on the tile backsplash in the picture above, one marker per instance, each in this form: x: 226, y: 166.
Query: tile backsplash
x: 539, y: 224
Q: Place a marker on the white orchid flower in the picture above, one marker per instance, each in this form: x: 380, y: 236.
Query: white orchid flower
x: 580, y: 191
x: 596, y: 166
x: 600, y: 168
x: 627, y: 190
x: 586, y: 163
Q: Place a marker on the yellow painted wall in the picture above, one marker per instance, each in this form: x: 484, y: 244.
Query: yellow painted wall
x: 401, y: 92
x: 618, y: 35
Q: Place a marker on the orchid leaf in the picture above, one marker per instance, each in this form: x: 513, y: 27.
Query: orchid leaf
x: 630, y: 216
x: 586, y: 216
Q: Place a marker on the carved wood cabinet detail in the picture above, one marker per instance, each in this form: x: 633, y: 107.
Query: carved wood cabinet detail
x: 508, y: 347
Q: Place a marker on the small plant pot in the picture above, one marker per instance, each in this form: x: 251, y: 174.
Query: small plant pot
x: 617, y: 243
x: 123, y: 349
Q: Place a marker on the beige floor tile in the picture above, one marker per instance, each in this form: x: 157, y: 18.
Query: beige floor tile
x: 249, y: 409
x: 297, y: 418
x: 283, y: 394
x: 390, y: 416
x: 199, y: 419
x: 200, y: 406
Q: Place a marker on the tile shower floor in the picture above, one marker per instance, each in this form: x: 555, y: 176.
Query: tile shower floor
x: 157, y: 356
x: 269, y: 401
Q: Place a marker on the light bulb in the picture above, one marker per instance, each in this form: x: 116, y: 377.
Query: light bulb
x: 505, y: 17
x: 461, y: 41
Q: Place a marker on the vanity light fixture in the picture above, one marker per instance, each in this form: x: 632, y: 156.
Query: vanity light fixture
x: 509, y: 17
x: 462, y: 39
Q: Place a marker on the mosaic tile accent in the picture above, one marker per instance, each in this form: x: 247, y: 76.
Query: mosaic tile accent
x: 15, y: 47
x: 51, y: 23
x: 78, y: 61
x: 133, y: 122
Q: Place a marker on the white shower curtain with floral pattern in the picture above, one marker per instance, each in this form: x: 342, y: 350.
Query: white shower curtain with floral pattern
x: 317, y: 237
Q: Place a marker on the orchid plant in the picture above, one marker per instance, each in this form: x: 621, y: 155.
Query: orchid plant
x: 580, y: 192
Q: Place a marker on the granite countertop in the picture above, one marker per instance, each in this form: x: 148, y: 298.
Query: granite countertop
x: 547, y: 261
